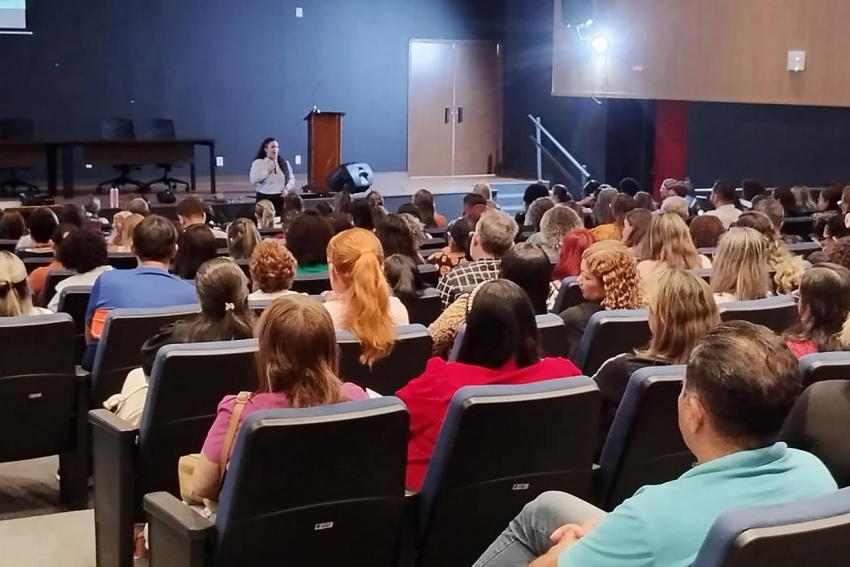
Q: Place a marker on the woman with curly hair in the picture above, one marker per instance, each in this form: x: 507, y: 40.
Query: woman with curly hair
x: 608, y: 280
x: 706, y: 231
x: 669, y: 245
x: 788, y: 268
x: 273, y: 269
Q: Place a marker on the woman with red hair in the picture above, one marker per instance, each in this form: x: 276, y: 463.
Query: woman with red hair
x: 575, y: 242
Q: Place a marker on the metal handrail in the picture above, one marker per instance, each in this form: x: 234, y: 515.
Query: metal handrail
x: 585, y: 175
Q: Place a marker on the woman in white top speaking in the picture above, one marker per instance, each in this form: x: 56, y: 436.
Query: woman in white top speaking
x: 271, y: 174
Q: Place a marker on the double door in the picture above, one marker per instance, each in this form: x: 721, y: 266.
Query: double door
x: 454, y: 108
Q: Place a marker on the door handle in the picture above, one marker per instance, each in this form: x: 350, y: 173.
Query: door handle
x: 448, y: 111
x: 459, y: 114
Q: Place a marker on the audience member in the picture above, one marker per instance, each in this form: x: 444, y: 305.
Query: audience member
x: 774, y: 211
x: 73, y: 215
x: 424, y: 201
x: 307, y: 239
x: 644, y: 200
x: 608, y: 280
x: 706, y: 231
x: 819, y: 423
x: 752, y: 188
x: 293, y: 207
x: 527, y: 265
x: 15, y: 294
x: 458, y: 237
x: 740, y: 267
x: 91, y: 207
x: 12, y: 226
x: 195, y: 245
x: 635, y: 228
x: 500, y: 346
x: 410, y: 209
x: 474, y: 205
x: 416, y: 229
x: 41, y: 225
x: 191, y: 212
x: 297, y: 367
x: 376, y: 201
x: 324, y: 208
x: 242, y: 237
x: 494, y: 235
x: 824, y: 304
x: 396, y: 238
x: 150, y: 285
x: 536, y: 211
x: 404, y: 278
x: 139, y: 206
x: 603, y: 215
x: 573, y: 246
x: 785, y: 197
x: 483, y: 189
x: 666, y: 189
x: 827, y: 207
x: 561, y: 195
x: 834, y: 230
x: 363, y: 215
x: 629, y: 186
x: 740, y: 384
x: 677, y: 205
x: 83, y: 252
x: 38, y: 276
x: 724, y: 199
x: 681, y: 311
x: 265, y: 213
x: 339, y: 222
x: 360, y: 301
x: 556, y: 222
x: 122, y: 242
x: 805, y: 202
x: 669, y: 245
x: 788, y: 268
x: 840, y: 253
x: 532, y: 193
x: 342, y: 203
x: 273, y: 269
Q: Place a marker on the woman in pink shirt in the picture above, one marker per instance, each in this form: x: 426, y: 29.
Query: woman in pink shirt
x: 823, y: 302
x: 297, y: 367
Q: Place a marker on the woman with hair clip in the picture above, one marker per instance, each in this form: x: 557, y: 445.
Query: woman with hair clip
x: 788, y: 268
x: 824, y: 304
x: 222, y: 292
x: 360, y: 301
x: 740, y: 270
x: 242, y: 237
x: 297, y: 367
x: 449, y: 257
x: 15, y: 293
x: 681, y: 311
x: 265, y: 213
x: 669, y: 245
x: 501, y: 346
x: 271, y: 175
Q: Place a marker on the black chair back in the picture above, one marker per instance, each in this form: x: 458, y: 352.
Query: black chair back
x: 553, y: 335
x: 426, y: 308
x: 186, y: 385
x: 38, y: 385
x: 824, y: 366
x: 432, y: 244
x: 160, y: 129
x: 610, y: 333
x: 312, y: 284
x: 799, y: 226
x: 644, y: 445
x: 117, y: 130
x: 119, y: 351
x: 387, y: 376
x: 319, y: 502
x: 74, y: 301
x: 17, y: 130
x: 121, y: 261
x: 569, y: 295
x: 50, y: 282
x: 437, y: 232
x: 490, y: 460
x: 804, y: 249
x: 8, y: 245
x: 776, y: 313
x: 430, y: 274
x: 32, y: 262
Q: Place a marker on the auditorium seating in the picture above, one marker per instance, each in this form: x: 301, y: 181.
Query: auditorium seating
x: 121, y: 261
x: 800, y: 226
x: 777, y: 313
x: 704, y: 273
x: 569, y: 295
x: 185, y: 387
x: 824, y: 366
x: 405, y: 362
x: 74, y: 301
x: 644, y: 445
x: 430, y: 274
x: 473, y: 486
x: 610, y: 333
x: 425, y: 309
x: 307, y: 487
x: 43, y: 401
x: 804, y: 249
x: 552, y: 337
x: 8, y: 245
x: 432, y: 245
x: 124, y: 333
x: 312, y: 284
x: 805, y: 533
x: 34, y: 261
x: 50, y: 282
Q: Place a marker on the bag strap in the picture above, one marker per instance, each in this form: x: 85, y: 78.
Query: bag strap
x: 232, y: 425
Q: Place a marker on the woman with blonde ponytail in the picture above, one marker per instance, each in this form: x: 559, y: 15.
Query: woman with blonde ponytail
x: 360, y: 301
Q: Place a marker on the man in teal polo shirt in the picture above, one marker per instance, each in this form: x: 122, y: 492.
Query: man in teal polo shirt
x: 740, y: 384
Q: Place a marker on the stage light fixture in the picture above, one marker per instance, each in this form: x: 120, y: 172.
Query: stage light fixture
x: 600, y: 44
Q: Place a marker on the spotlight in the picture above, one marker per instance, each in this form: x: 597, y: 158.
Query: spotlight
x: 599, y: 44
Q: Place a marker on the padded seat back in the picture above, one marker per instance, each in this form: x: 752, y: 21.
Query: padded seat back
x: 121, y: 261
x: 432, y: 244
x: 552, y: 337
x: 824, y: 366
x: 51, y: 281
x: 430, y: 274
x: 312, y: 284
x: 387, y: 376
x: 316, y: 487
x: 804, y: 533
x: 17, y: 129
x: 74, y: 301
x: 38, y: 385
x: 186, y: 385
x: 704, y: 273
x: 426, y: 308
x: 804, y: 249
x: 777, y: 313
x: 644, y: 445
x: 490, y: 460
x: 160, y: 129
x: 117, y: 129
x: 34, y: 261
x: 610, y: 333
x: 7, y: 245
x: 119, y: 352
x: 569, y: 295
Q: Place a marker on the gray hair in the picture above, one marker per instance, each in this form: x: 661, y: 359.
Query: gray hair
x: 556, y: 222
x: 496, y: 232
x: 676, y: 205
x: 415, y: 227
x: 536, y: 211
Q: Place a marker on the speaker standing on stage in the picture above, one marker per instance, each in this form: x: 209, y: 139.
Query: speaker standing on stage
x: 271, y: 174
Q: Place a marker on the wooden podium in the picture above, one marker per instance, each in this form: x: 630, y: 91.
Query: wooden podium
x: 324, y: 147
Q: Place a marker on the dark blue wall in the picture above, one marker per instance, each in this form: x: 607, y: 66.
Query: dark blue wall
x: 234, y: 70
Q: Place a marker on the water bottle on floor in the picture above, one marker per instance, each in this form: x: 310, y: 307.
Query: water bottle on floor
x: 113, y: 198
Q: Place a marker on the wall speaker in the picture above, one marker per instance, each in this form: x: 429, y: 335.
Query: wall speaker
x: 576, y: 12
x: 351, y: 177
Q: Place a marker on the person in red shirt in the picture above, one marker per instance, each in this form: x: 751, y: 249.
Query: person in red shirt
x: 500, y: 346
x: 823, y: 302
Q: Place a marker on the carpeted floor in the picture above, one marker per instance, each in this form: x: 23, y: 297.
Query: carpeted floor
x: 29, y: 488
x: 56, y: 540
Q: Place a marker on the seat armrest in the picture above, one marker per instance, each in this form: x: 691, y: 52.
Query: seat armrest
x: 111, y: 423
x: 186, y: 522
x: 178, y: 535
